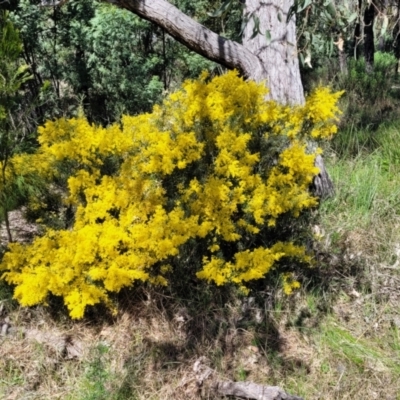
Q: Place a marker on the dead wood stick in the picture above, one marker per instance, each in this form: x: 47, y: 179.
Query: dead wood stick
x: 250, y: 390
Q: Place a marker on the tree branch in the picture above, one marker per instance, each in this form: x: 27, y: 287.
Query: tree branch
x: 194, y: 35
x: 249, y: 390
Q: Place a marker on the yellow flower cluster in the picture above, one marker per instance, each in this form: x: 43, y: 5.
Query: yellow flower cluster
x: 199, y: 167
x: 249, y: 265
x: 289, y: 283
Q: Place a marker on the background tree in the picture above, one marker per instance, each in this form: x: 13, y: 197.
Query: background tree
x: 76, y: 52
x: 103, y: 58
x: 13, y: 136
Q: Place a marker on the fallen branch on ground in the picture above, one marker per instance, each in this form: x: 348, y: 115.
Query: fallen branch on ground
x: 247, y: 390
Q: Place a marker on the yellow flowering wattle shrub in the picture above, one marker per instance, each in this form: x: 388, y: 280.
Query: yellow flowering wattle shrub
x: 210, y: 172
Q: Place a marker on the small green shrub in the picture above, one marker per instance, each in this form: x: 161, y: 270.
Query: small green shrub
x: 369, y: 96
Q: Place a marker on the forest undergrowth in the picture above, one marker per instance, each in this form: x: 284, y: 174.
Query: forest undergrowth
x: 336, y: 338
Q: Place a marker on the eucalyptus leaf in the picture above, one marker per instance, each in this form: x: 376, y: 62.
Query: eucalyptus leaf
x: 330, y: 7
x: 301, y: 59
x: 330, y: 47
x: 256, y: 29
x: 307, y: 60
x: 224, y: 7
x: 268, y: 37
x: 352, y: 17
x: 315, y: 39
x: 303, y: 6
x: 246, y: 18
x: 294, y: 9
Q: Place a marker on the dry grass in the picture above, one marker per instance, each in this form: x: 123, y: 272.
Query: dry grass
x: 149, y: 349
x: 337, y: 338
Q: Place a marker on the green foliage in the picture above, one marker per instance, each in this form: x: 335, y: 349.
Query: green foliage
x: 374, y: 86
x: 369, y: 96
x: 221, y: 16
x: 14, y: 187
x: 104, y: 59
x: 353, y: 142
x: 123, y: 76
x: 387, y: 138
x: 97, y: 376
x: 320, y: 26
x: 370, y: 99
x: 12, y: 74
x: 370, y: 161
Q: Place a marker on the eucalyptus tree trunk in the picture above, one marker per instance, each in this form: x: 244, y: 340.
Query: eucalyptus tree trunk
x: 276, y: 49
x: 383, y: 10
x: 396, y: 38
x: 357, y: 31
x: 369, y: 46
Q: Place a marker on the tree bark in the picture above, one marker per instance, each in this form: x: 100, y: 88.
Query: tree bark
x: 206, y: 377
x: 369, y: 46
x: 8, y: 227
x: 396, y: 38
x: 322, y: 186
x: 342, y: 54
x: 276, y: 48
x: 357, y: 32
x: 382, y: 10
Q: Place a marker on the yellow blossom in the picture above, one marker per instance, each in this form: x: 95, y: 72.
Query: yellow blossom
x: 199, y: 169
